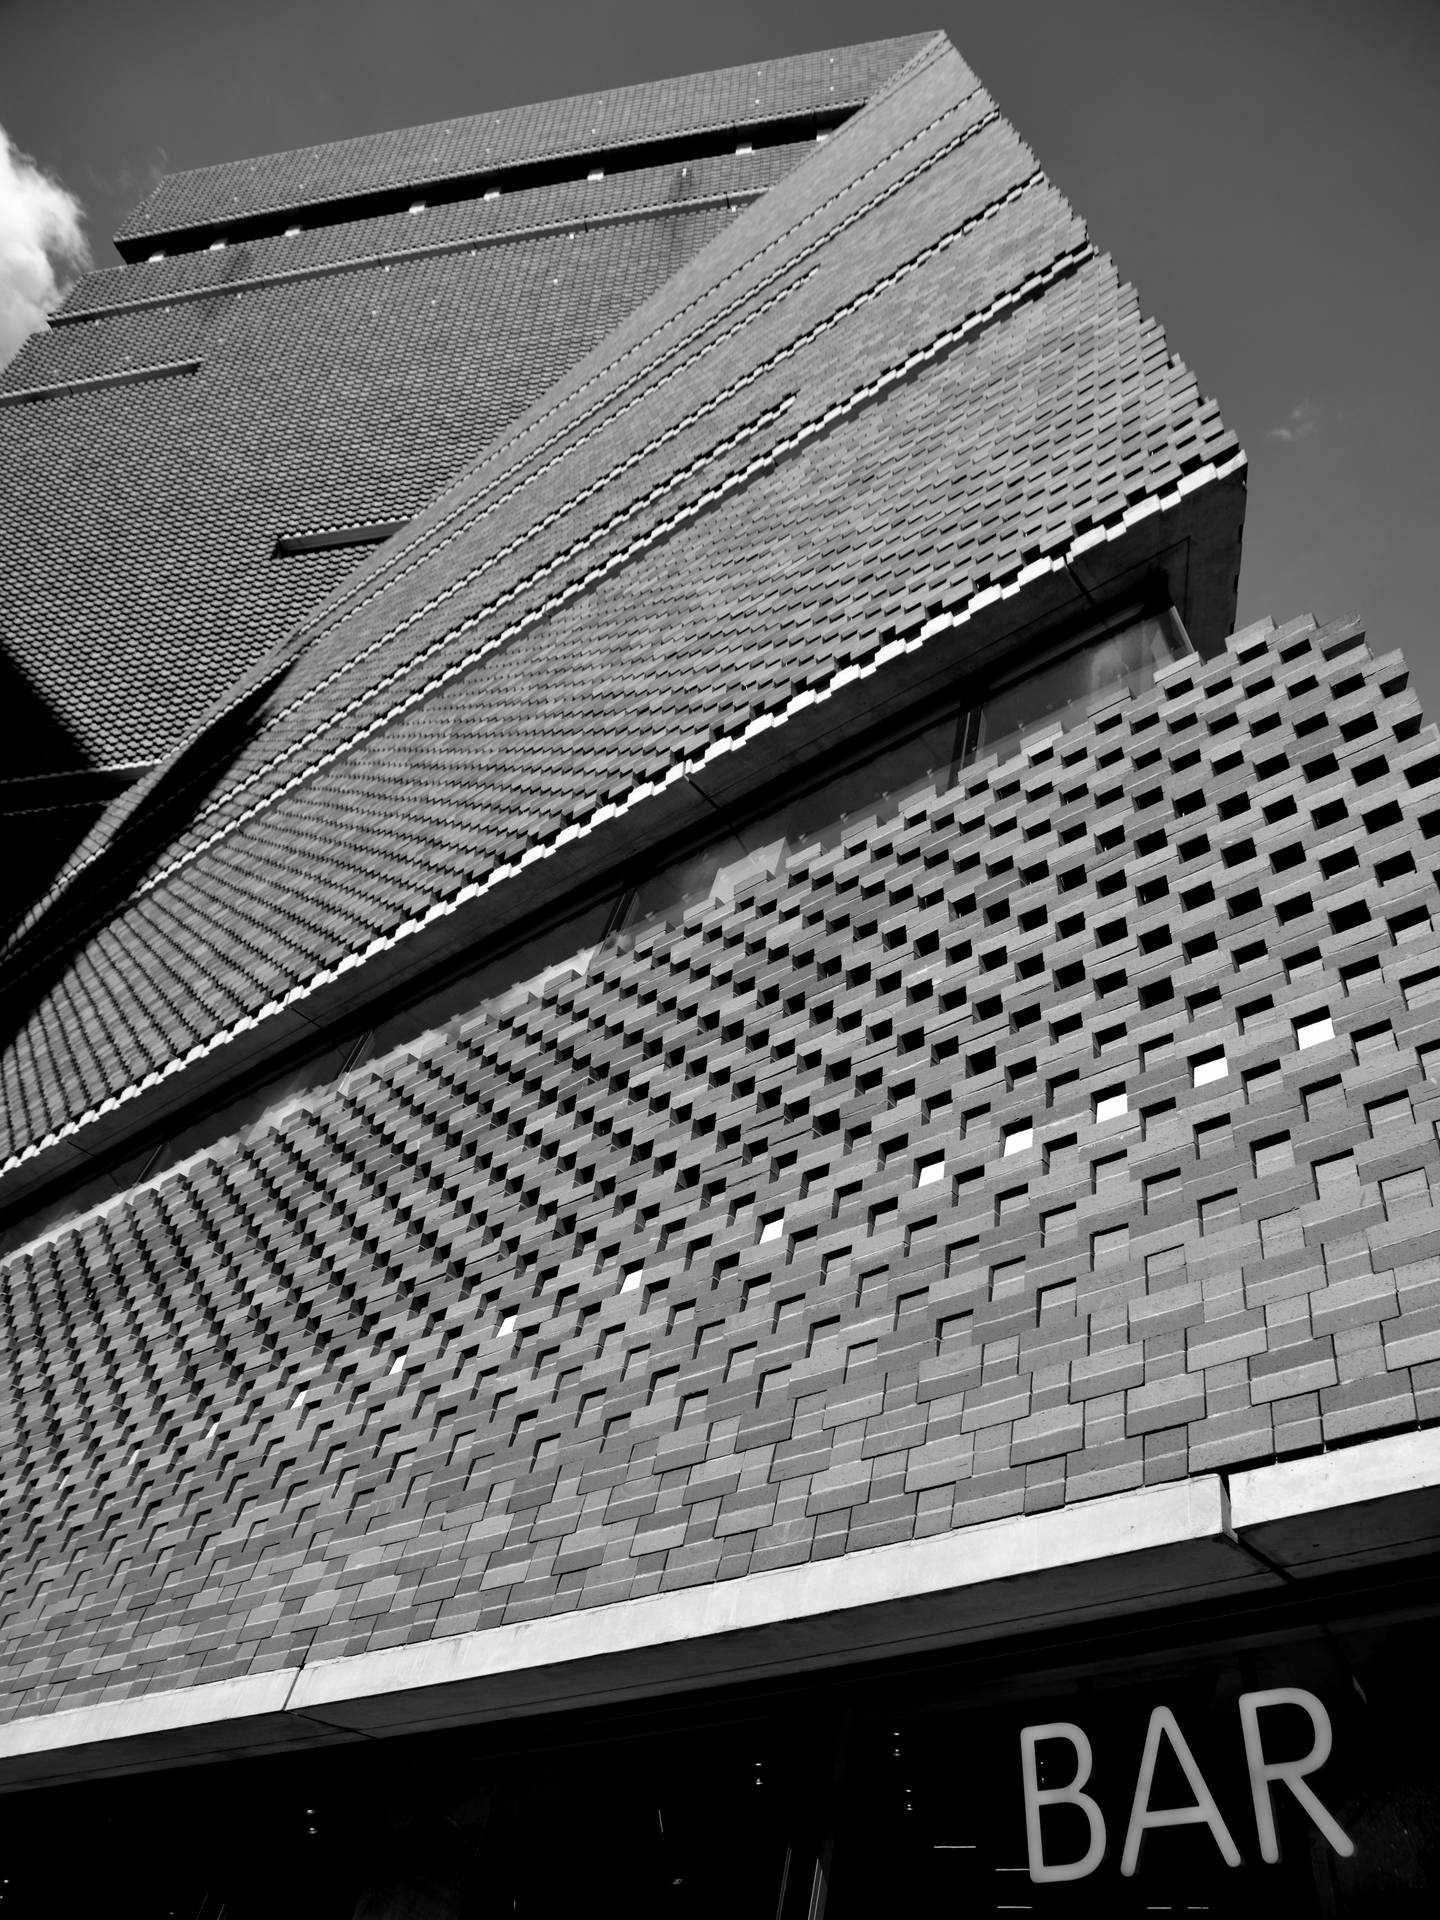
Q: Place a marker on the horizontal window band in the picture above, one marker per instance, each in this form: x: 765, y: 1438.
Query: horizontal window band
x: 50, y: 792
x: 58, y: 389
x: 9, y: 811
x: 470, y: 243
x: 368, y: 534
x: 442, y: 190
x: 110, y: 778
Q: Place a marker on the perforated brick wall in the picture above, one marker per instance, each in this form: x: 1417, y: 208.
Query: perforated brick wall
x: 1068, y: 1130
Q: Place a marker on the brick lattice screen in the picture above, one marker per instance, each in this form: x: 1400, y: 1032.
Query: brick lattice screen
x: 1067, y: 1130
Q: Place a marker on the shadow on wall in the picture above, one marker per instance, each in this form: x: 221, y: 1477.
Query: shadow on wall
x: 50, y: 794
x: 34, y: 961
x: 34, y: 740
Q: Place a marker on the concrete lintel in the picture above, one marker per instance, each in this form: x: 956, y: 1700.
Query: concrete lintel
x: 1354, y: 1506
x: 1157, y: 1545
x: 1002, y: 1576
x: 229, y: 1719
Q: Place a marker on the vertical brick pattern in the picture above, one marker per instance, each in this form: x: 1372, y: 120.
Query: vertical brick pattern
x: 1065, y: 1131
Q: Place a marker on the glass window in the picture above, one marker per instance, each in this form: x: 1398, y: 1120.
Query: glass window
x: 1064, y: 688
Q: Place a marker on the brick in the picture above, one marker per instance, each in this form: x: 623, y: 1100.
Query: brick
x: 1164, y: 1403
x: 1413, y: 1338
x: 1378, y: 1404
x: 1042, y: 1435
x: 840, y: 1488
x: 939, y: 1462
x: 1363, y: 1301
x: 1109, y: 1372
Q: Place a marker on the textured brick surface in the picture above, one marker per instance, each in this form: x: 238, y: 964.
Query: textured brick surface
x: 652, y: 1281
x: 899, y: 380
x: 137, y: 572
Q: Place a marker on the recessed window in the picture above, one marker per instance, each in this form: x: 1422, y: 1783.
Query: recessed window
x: 1109, y: 1246
x: 863, y: 1354
x: 1274, y: 1155
x: 1313, y: 1029
x: 367, y: 533
x: 1112, y: 1104
x: 1125, y: 660
x: 1395, y: 1111
x: 1007, y: 1278
x: 1406, y: 1193
x: 1058, y: 1224
x: 1205, y: 1067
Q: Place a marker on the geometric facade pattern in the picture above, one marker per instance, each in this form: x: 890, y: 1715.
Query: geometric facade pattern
x: 1062, y: 1126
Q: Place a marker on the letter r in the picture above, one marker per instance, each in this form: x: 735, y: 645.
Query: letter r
x: 1037, y: 1797
x: 1292, y: 1772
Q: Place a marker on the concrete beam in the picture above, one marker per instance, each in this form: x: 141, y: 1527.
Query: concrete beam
x: 1334, y: 1511
x: 1156, y: 1546
x: 1169, y: 1545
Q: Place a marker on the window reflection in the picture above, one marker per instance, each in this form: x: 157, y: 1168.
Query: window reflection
x: 1055, y: 694
x: 1125, y: 661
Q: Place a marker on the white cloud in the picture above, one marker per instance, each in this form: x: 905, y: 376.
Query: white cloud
x: 42, y: 246
x: 1303, y: 424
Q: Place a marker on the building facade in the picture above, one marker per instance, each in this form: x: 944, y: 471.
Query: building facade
x: 717, y: 1167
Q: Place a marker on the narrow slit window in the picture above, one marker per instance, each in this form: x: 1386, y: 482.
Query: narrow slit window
x: 367, y: 533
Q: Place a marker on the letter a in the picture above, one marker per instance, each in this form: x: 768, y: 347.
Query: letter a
x: 1037, y: 1797
x: 1204, y: 1811
x: 1292, y: 1772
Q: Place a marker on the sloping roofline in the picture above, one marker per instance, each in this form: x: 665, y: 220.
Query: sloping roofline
x: 641, y: 125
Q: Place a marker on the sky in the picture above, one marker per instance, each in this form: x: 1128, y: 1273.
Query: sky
x: 1264, y: 171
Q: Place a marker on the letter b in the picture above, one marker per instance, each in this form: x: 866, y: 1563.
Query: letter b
x: 1037, y: 1797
